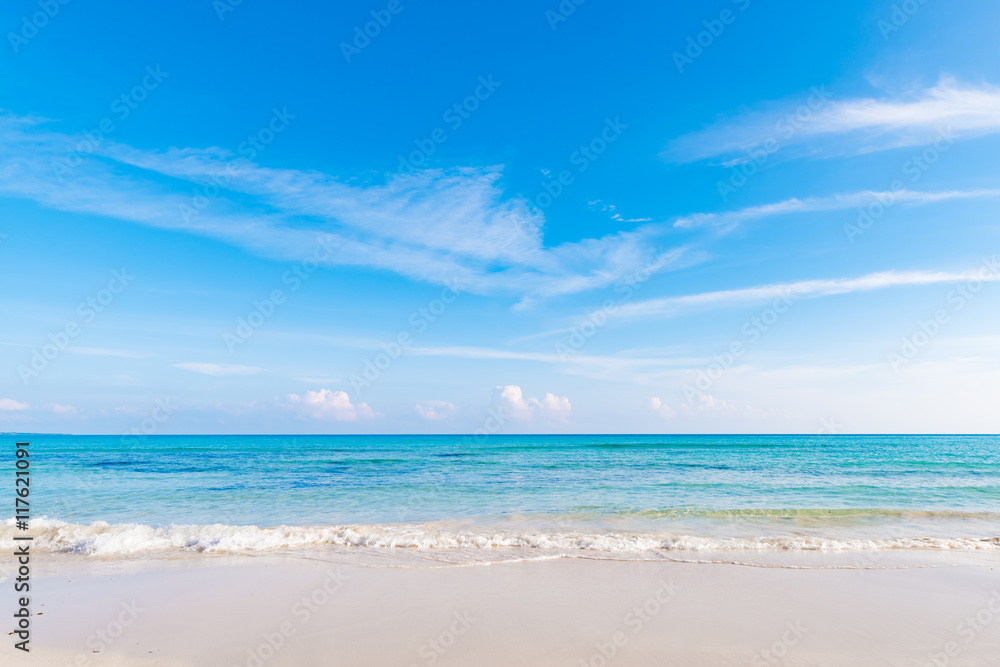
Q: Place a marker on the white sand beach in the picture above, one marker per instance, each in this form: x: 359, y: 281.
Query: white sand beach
x: 287, y: 610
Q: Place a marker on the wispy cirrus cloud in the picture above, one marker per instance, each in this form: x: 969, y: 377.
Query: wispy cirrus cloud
x: 852, y: 126
x: 218, y: 369
x: 729, y: 219
x: 803, y: 289
x: 434, y: 225
x: 105, y: 352
x: 680, y: 305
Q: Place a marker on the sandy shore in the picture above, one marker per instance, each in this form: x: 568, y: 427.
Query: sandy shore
x: 295, y: 611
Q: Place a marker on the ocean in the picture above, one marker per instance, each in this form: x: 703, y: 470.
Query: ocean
x: 457, y: 497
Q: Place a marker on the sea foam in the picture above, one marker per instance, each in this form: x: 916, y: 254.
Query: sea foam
x: 109, y: 540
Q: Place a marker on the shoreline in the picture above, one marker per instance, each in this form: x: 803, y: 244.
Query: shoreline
x: 476, y: 541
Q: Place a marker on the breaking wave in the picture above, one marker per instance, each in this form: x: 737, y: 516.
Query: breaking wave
x: 110, y: 540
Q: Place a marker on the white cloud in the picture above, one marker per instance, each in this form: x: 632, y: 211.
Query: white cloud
x: 730, y: 219
x: 436, y: 410
x: 608, y: 367
x: 466, y: 352
x: 63, y: 409
x: 511, y: 400
x: 218, y: 369
x: 661, y: 408
x: 655, y: 366
x: 677, y: 305
x: 104, y: 352
x: 434, y: 225
x: 853, y: 125
x: 706, y: 402
x: 805, y: 289
x: 327, y: 404
x: 9, y: 404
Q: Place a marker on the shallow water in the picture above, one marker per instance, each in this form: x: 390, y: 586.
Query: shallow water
x: 552, y: 494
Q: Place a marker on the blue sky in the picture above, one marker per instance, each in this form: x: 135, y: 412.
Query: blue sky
x: 499, y: 217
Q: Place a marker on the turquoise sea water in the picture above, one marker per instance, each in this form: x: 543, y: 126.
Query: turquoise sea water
x: 432, y: 490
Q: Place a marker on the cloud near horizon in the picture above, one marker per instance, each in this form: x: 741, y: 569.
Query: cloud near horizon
x: 436, y: 410
x: 512, y: 402
x: 661, y: 408
x: 327, y: 404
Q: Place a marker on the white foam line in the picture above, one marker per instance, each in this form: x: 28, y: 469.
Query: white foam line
x: 102, y: 539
